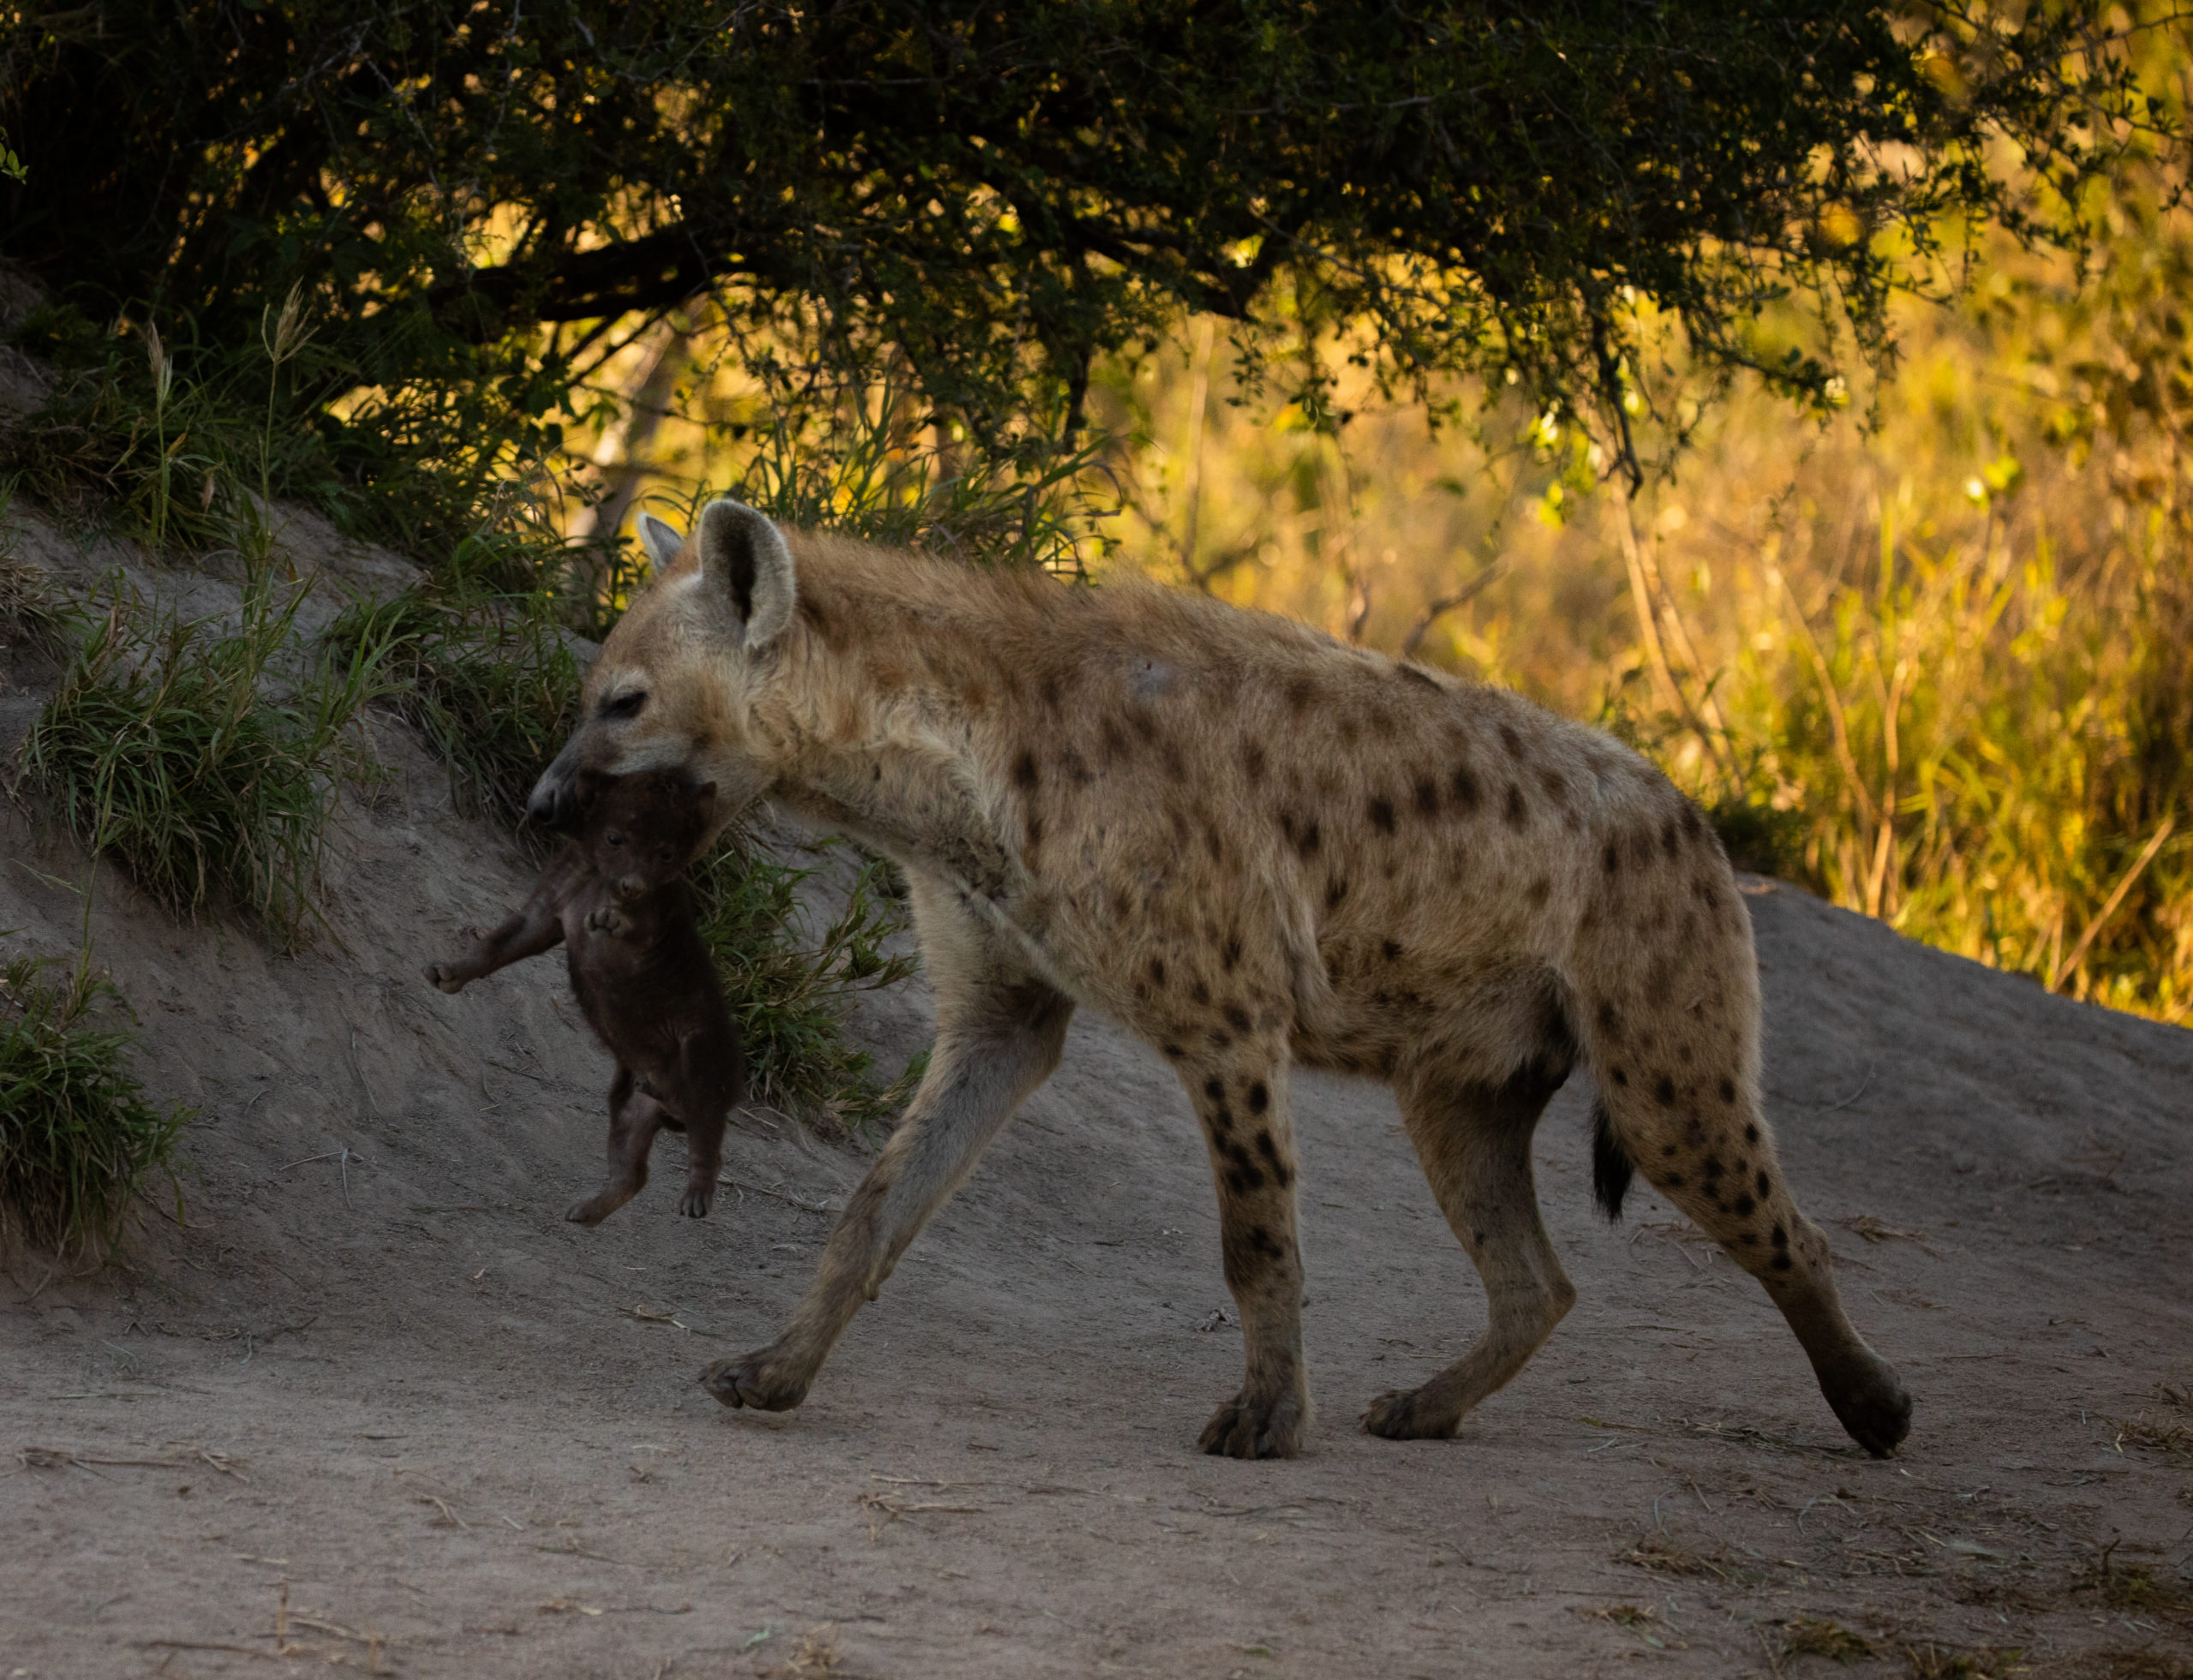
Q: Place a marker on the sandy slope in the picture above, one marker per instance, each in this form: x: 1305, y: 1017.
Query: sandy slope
x: 464, y: 1438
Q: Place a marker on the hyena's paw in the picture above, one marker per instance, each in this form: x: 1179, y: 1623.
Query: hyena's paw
x: 1403, y: 1416
x: 443, y: 977
x: 1875, y: 1408
x: 600, y: 1205
x: 698, y: 1198
x: 1248, y: 1426
x: 764, y: 1380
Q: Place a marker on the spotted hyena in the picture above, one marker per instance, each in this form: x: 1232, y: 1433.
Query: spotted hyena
x: 1260, y: 849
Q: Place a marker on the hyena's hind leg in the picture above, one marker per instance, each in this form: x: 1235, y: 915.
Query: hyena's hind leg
x: 1674, y: 1045
x: 1239, y: 1092
x: 1474, y: 1136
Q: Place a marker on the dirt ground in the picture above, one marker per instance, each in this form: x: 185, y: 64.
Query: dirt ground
x: 374, y: 1402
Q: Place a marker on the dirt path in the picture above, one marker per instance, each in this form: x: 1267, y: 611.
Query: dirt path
x: 379, y: 1380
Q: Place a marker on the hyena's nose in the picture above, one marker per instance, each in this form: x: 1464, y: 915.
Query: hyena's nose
x: 551, y: 804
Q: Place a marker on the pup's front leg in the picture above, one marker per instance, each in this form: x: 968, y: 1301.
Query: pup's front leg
x: 537, y: 925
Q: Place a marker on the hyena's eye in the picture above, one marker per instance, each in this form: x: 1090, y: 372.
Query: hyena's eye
x: 624, y: 705
x: 612, y: 838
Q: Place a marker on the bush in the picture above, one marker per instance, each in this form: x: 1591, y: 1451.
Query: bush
x: 789, y: 1000
x: 78, y: 1140
x: 194, y: 760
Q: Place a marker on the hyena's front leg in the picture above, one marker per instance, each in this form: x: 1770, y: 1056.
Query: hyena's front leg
x: 1240, y: 1096
x: 996, y: 1040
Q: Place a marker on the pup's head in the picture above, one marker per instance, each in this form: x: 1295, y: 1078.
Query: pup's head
x: 640, y: 830
x: 675, y: 684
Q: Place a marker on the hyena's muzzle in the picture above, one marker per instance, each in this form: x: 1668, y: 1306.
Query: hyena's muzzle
x: 554, y: 803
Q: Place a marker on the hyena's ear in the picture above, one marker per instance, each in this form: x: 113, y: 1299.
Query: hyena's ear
x: 661, y: 539
x: 744, y: 561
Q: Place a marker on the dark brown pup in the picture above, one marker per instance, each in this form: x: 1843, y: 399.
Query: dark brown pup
x: 616, y: 897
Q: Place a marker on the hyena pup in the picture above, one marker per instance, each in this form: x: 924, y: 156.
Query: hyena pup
x: 1258, y: 849
x: 616, y: 897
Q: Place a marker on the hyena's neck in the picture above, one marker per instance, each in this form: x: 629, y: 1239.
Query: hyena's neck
x: 901, y: 771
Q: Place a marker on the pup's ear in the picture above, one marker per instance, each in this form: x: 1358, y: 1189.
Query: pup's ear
x: 661, y: 539
x: 746, y: 564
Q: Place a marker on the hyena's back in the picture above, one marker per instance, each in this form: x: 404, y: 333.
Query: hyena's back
x: 1219, y: 809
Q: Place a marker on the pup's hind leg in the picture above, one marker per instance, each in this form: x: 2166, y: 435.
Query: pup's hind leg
x: 707, y: 1088
x: 1474, y: 1140
x: 633, y: 1119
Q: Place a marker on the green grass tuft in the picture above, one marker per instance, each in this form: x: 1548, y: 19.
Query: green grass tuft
x: 78, y: 1140
x: 489, y: 678
x: 206, y: 762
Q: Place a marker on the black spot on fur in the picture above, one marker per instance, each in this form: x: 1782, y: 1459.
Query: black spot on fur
x: 1749, y: 1239
x: 1665, y: 1091
x: 1782, y: 1262
x: 1751, y: 1134
x: 1728, y: 1095
x: 1259, y: 1097
x: 1231, y: 956
x: 1382, y: 814
x: 1173, y: 1050
x: 1237, y: 1018
x: 1253, y: 761
x: 1511, y: 740
x: 1610, y: 1017
x: 1463, y: 784
x: 1199, y: 992
x: 1672, y: 839
x: 1427, y: 797
x: 1157, y: 971
x: 1714, y: 1168
x: 1611, y: 1167
x: 1540, y: 891
x: 1611, y: 859
x: 1781, y: 1238
x: 1621, y: 1075
x: 1335, y: 890
x: 1282, y: 1174
x: 1215, y: 1088
x: 1025, y: 774
x: 1390, y: 951
x: 1306, y: 841
x: 1300, y: 692
x: 1517, y: 812
x: 1673, y: 1180
x: 1745, y: 1204
x: 1765, y: 1185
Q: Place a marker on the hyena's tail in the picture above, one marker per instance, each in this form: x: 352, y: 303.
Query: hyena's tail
x: 1611, y: 1167
x: 1667, y: 1003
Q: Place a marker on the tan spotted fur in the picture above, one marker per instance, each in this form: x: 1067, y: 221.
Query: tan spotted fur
x: 1258, y: 849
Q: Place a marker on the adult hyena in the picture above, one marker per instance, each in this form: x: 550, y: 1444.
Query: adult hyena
x: 1257, y: 848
